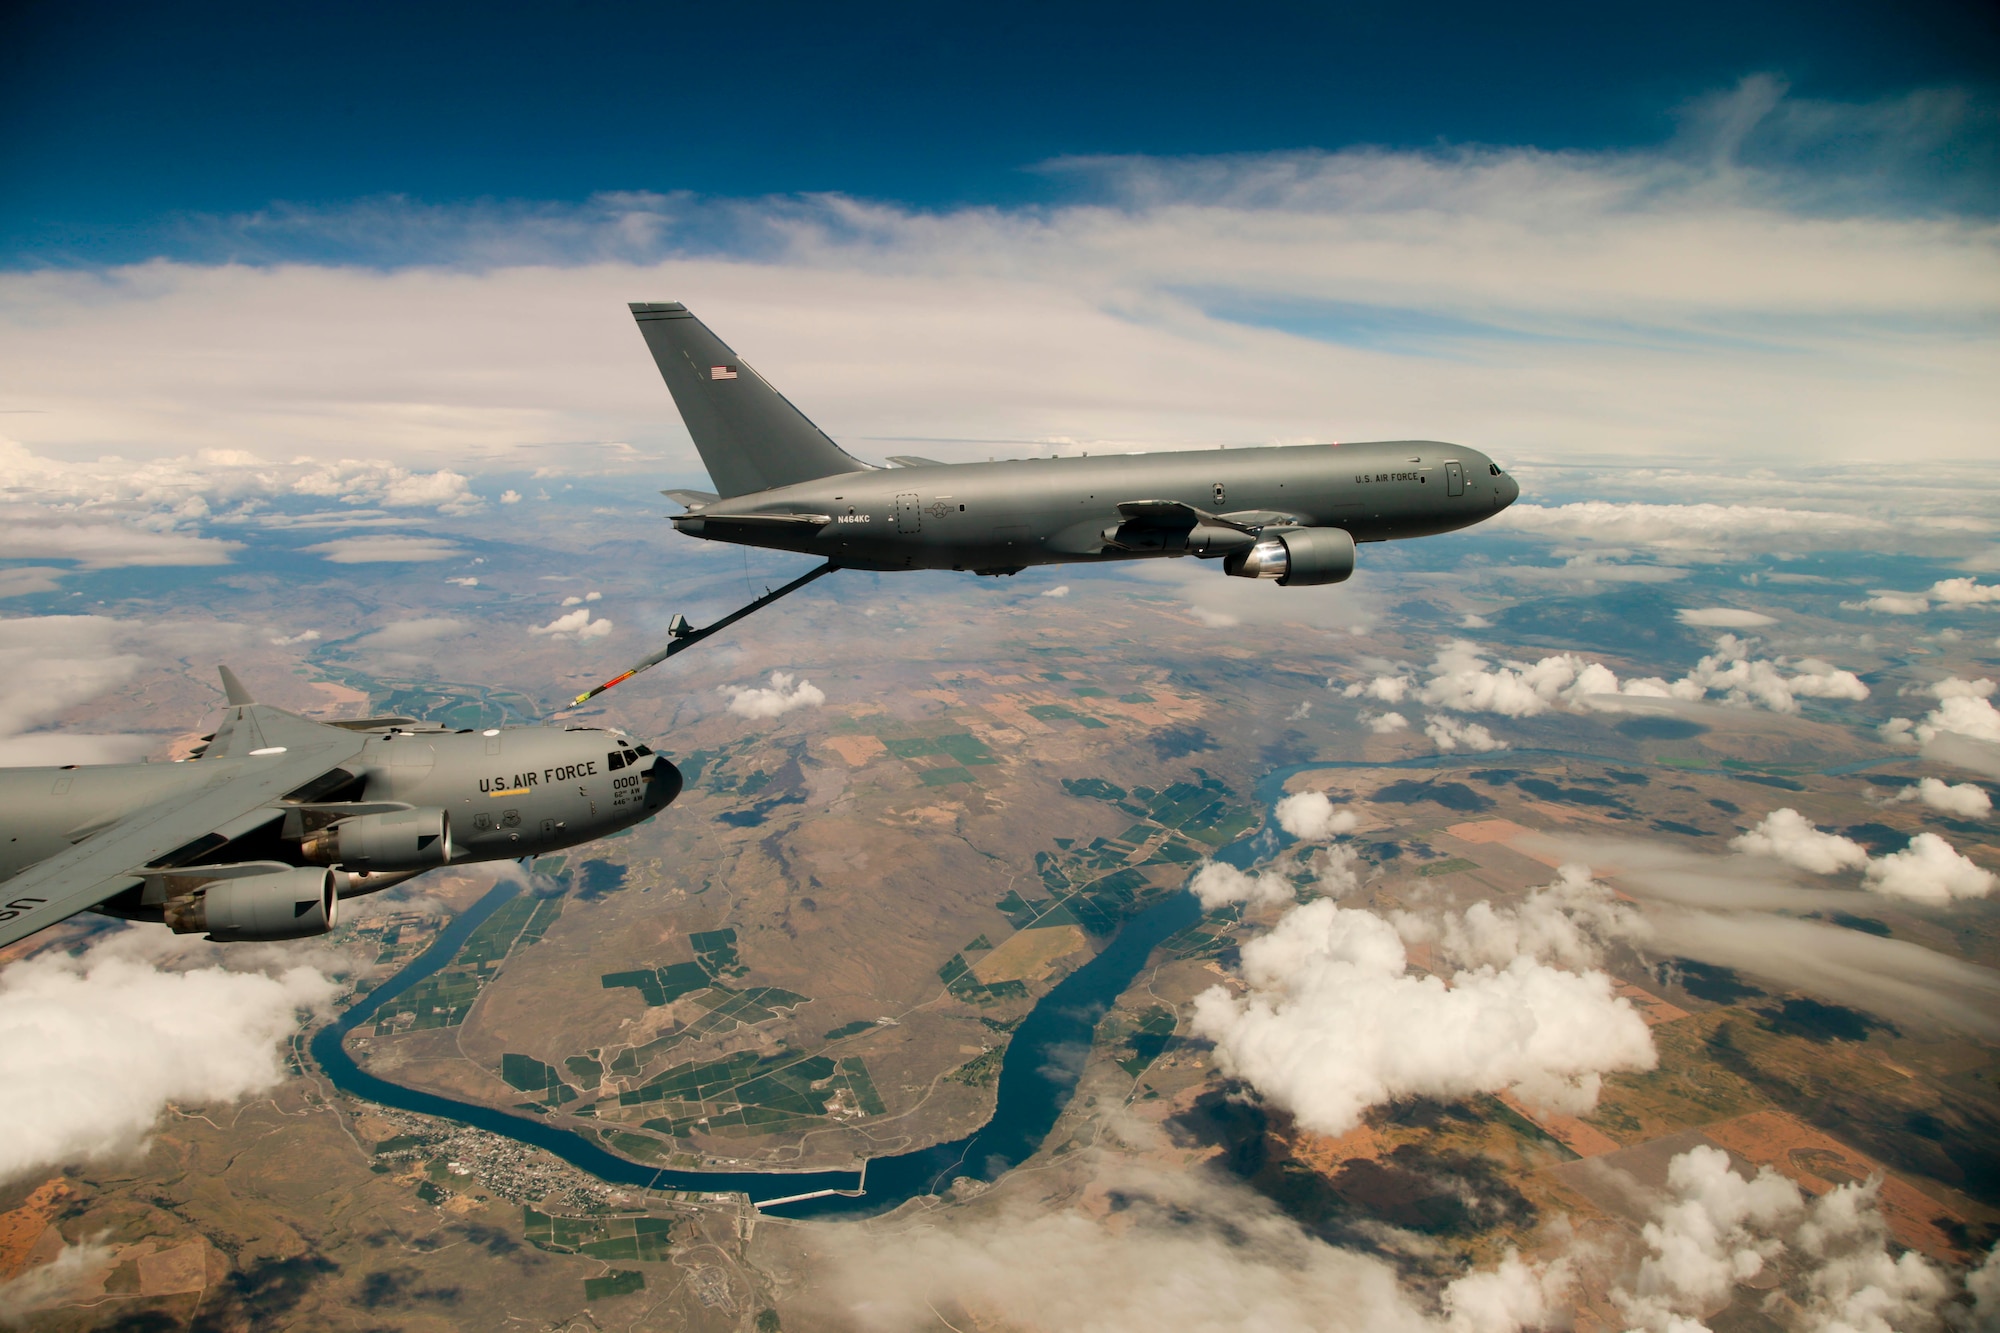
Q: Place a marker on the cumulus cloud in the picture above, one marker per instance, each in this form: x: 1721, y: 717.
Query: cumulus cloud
x: 1723, y: 617
x: 383, y: 550
x: 1967, y: 800
x: 1384, y: 723
x: 467, y: 582
x: 1929, y: 870
x: 1333, y: 1023
x: 1714, y: 1229
x: 576, y: 625
x: 587, y: 597
x: 1567, y: 923
x: 1463, y: 680
x: 107, y: 1040
x: 1311, y: 816
x: 1959, y: 592
x: 1060, y: 590
x: 1965, y: 708
x: 1448, y: 733
x: 1218, y: 884
x: 303, y: 636
x: 1790, y: 837
x: 510, y: 497
x: 784, y: 694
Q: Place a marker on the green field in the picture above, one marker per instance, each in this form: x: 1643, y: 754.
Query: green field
x: 618, y: 1282
x: 443, y: 999
x: 644, y: 1238
x: 747, y: 1093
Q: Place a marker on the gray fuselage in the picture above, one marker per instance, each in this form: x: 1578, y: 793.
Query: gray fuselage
x: 1003, y: 516
x: 510, y: 792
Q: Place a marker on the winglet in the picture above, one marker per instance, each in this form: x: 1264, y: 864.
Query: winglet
x: 233, y: 689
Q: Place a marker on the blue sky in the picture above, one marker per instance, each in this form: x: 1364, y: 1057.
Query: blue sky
x: 124, y: 126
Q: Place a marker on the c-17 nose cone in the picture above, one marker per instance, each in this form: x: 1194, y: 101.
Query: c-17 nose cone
x: 663, y: 784
x: 1505, y: 491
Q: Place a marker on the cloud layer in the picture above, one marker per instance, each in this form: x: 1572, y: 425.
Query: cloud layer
x: 109, y: 1038
x: 1333, y: 1023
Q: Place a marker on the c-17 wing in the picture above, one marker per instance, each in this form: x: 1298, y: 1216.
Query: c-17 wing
x: 288, y: 752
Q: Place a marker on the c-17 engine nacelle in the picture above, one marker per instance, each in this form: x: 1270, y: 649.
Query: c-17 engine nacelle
x: 1296, y: 557
x: 286, y: 904
x: 396, y: 840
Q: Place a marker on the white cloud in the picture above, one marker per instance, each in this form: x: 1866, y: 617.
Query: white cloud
x: 1698, y: 527
x: 1723, y: 617
x: 194, y: 486
x: 1965, y: 592
x: 510, y: 497
x: 98, y: 540
x: 1384, y: 723
x: 73, y: 1277
x: 1790, y: 837
x: 1448, y: 733
x: 1566, y: 923
x: 1965, y: 708
x: 50, y: 664
x: 1957, y: 592
x: 1929, y: 870
x: 1713, y: 1230
x: 1182, y: 1251
x: 1967, y: 800
x: 1464, y: 681
x: 1060, y: 590
x: 467, y: 582
x: 784, y: 694
x: 1892, y: 604
x: 577, y: 625
x: 303, y: 636
x: 1333, y: 1024
x: 106, y: 1041
x: 1311, y: 816
x: 1577, y: 298
x: 1213, y: 619
x: 399, y: 636
x: 1217, y: 884
x: 384, y: 550
x: 1472, y: 621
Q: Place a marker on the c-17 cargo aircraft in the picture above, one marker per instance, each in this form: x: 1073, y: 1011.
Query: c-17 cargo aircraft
x: 1293, y: 513
x: 278, y: 818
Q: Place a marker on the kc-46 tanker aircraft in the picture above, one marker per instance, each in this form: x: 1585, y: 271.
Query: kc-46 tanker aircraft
x: 279, y: 817
x: 1292, y: 514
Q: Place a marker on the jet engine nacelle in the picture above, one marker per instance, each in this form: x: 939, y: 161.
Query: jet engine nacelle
x: 397, y: 840
x: 279, y: 905
x: 1296, y: 557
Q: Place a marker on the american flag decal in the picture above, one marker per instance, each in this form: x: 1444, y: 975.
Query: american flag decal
x: 722, y: 372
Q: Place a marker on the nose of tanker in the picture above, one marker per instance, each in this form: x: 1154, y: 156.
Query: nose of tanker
x: 1505, y: 491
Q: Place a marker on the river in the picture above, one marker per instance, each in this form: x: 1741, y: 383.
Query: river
x: 1036, y: 1081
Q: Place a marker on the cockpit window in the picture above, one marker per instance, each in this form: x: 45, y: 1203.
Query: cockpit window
x: 642, y: 750
x: 614, y: 761
x: 631, y: 756
x: 1494, y: 468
